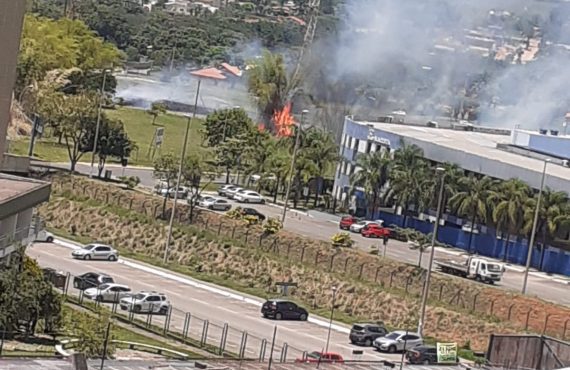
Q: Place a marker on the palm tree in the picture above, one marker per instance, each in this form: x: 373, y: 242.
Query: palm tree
x: 472, y: 200
x: 324, y: 152
x: 552, y: 216
x: 372, y: 175
x: 508, y: 214
x: 268, y: 83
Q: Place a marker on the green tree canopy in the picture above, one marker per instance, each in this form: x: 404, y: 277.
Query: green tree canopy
x: 225, y: 124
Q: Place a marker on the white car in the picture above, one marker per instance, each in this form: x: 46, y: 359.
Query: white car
x: 182, y: 192
x: 96, y: 251
x: 249, y: 196
x: 44, y: 236
x: 108, y: 292
x: 203, y: 201
x: 217, y: 204
x: 232, y: 191
x: 398, y: 341
x: 147, y: 302
x: 358, y: 226
x: 224, y: 188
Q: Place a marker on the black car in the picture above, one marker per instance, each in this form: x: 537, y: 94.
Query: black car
x: 91, y: 280
x: 425, y: 355
x: 253, y: 212
x: 366, y: 333
x: 279, y: 309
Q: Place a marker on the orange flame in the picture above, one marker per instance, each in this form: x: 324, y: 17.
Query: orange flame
x: 261, y: 127
x: 284, y: 121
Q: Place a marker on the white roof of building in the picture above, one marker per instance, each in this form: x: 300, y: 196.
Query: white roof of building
x: 478, y: 152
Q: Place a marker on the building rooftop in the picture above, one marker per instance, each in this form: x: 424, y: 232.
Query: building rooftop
x: 478, y: 152
x: 18, y: 193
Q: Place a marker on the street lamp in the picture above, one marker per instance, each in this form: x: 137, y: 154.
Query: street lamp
x: 292, y: 170
x: 179, y: 178
x: 334, y: 289
x: 441, y: 173
x: 534, y: 225
x: 98, y: 123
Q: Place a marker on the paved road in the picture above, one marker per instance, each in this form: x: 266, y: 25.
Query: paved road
x: 203, y: 302
x: 322, y: 226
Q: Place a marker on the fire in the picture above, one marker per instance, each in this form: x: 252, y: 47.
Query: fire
x: 261, y: 127
x: 284, y: 121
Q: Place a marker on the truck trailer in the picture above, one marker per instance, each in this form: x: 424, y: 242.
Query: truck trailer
x: 476, y: 268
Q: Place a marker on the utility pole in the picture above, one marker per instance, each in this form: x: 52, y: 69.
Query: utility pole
x: 292, y: 169
x: 98, y: 123
x: 180, y: 168
x: 441, y: 172
x: 105, y: 344
x: 334, y: 289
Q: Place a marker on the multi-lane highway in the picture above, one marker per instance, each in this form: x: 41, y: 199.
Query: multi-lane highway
x: 218, y: 305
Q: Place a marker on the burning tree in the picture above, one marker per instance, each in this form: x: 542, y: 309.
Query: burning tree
x: 283, y: 121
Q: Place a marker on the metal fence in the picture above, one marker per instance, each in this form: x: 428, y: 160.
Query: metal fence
x: 215, y: 337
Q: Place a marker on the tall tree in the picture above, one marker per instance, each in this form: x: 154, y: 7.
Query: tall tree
x: 324, y: 152
x: 197, y: 174
x: 472, y: 201
x: 225, y: 124
x: 267, y: 82
x: 552, y: 216
x: 155, y: 110
x: 166, y: 170
x: 372, y: 174
x: 509, y: 201
x: 113, y: 141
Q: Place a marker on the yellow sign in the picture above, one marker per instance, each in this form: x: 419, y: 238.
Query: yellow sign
x: 447, y: 353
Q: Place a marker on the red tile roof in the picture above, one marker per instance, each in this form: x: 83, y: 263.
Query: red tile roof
x: 213, y: 73
x: 232, y: 69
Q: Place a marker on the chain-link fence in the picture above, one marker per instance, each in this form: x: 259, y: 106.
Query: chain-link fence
x: 161, y: 318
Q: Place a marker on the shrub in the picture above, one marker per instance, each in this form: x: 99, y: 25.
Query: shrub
x: 130, y: 182
x: 272, y: 226
x: 235, y: 214
x: 342, y: 240
x: 251, y: 220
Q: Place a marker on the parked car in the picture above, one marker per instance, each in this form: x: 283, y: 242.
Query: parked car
x: 249, y: 196
x: 224, y: 188
x: 147, y: 302
x: 358, y: 226
x: 217, y: 204
x: 375, y: 231
x: 108, y: 292
x: 44, y: 236
x: 91, y: 280
x: 253, y: 212
x: 282, y: 309
x: 347, y: 221
x: 316, y: 357
x: 425, y: 355
x: 96, y: 251
x: 230, y: 193
x: 366, y: 333
x: 398, y: 341
x: 203, y: 201
x: 182, y: 192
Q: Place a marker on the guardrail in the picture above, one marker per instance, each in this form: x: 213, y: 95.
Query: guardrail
x: 61, y: 347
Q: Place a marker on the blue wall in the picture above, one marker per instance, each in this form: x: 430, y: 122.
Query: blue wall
x: 486, y: 244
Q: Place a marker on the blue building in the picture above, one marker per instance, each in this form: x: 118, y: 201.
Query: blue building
x: 498, y: 153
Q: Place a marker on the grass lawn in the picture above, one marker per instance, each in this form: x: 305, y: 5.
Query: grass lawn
x: 138, y: 125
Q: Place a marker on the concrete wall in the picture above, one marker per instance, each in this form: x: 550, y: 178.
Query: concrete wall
x: 11, y: 18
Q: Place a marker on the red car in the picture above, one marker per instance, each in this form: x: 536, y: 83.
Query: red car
x: 375, y: 231
x: 346, y: 221
x: 327, y: 357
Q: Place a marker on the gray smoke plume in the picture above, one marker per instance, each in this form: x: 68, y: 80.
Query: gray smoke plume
x: 430, y: 57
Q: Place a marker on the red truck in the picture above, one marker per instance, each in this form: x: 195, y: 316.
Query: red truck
x: 346, y: 221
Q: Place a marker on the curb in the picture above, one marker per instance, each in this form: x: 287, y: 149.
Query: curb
x: 195, y: 283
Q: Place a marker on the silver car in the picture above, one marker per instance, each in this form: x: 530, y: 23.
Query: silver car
x: 398, y: 341
x: 96, y: 251
x: 108, y: 292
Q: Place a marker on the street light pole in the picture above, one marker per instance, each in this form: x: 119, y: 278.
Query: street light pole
x: 98, y: 123
x: 331, y: 319
x: 441, y: 172
x: 534, y: 225
x: 292, y: 170
x: 179, y: 178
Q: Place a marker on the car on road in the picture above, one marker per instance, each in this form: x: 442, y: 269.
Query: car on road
x: 204, y: 200
x: 358, y: 226
x: 397, y: 341
x: 146, y: 302
x: 182, y: 192
x: 44, y: 236
x: 346, y: 222
x: 375, y: 231
x: 96, y: 251
x: 366, y: 333
x: 224, y: 188
x: 108, y: 292
x: 321, y: 357
x: 253, y: 212
x: 217, y: 204
x: 280, y: 309
x: 230, y: 193
x: 249, y: 196
x: 422, y: 355
x: 91, y: 280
